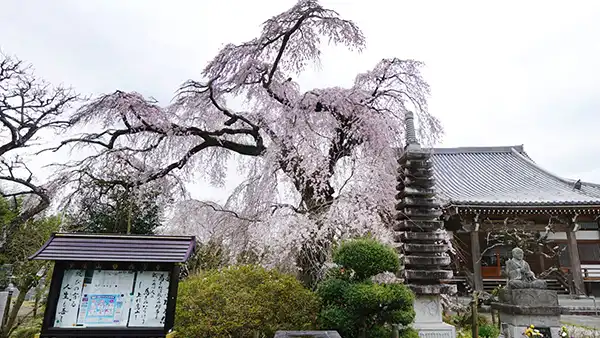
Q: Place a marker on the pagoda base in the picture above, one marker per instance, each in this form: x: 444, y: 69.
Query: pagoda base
x: 428, y: 318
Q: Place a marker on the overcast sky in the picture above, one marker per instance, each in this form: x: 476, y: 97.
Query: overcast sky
x: 520, y: 72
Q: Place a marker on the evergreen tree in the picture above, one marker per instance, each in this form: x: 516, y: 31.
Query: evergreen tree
x: 116, y: 210
x: 24, y: 240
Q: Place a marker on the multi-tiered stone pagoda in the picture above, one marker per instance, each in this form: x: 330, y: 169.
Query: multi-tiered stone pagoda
x: 421, y: 238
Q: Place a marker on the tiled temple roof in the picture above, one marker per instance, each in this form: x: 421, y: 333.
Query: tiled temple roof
x: 591, y: 188
x: 504, y: 177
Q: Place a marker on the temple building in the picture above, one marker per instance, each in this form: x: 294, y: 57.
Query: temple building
x: 486, y: 190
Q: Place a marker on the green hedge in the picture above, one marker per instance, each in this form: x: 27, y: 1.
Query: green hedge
x: 239, y: 301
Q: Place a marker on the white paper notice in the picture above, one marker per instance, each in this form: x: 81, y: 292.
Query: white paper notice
x: 69, y: 298
x: 107, y: 299
x: 150, y: 299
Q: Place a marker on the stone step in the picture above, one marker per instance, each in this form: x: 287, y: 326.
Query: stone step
x: 490, y: 284
x: 552, y: 284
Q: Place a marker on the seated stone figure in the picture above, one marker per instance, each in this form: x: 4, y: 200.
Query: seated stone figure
x: 519, y: 273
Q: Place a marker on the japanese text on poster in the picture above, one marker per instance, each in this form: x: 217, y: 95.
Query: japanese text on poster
x: 97, y: 298
x: 150, y: 299
x: 68, y: 300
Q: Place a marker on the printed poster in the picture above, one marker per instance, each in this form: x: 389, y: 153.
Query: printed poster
x: 106, y: 299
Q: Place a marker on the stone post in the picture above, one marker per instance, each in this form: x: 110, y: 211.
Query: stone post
x: 422, y: 239
x: 3, y: 303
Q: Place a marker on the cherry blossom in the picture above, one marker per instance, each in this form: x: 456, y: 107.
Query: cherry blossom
x: 319, y: 164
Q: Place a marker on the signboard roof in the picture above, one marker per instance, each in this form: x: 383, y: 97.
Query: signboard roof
x: 115, y: 248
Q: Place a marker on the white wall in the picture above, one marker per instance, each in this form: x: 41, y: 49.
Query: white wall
x: 580, y: 235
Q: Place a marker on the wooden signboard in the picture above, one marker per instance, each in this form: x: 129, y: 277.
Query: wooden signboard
x: 92, y: 296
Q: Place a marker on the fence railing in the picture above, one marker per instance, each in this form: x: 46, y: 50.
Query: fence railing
x: 591, y: 273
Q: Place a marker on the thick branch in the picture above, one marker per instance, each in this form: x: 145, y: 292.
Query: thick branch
x: 28, y: 106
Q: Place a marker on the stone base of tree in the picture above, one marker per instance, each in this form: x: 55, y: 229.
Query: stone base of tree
x: 428, y: 318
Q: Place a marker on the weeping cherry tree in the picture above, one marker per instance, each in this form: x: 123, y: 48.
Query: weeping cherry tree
x: 319, y: 164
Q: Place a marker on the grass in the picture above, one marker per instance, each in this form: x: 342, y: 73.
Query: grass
x: 578, y: 330
x: 578, y: 325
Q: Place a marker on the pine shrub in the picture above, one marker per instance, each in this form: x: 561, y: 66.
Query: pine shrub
x: 353, y: 304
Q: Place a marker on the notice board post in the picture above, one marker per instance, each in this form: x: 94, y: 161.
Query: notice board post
x: 112, y: 285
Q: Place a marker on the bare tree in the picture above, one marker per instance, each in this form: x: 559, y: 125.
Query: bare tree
x: 516, y: 232
x: 29, y: 107
x: 330, y: 150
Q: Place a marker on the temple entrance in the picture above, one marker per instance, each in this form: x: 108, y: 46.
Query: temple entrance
x: 493, y: 260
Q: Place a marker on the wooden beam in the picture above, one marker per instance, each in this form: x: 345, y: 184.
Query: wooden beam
x: 497, y: 224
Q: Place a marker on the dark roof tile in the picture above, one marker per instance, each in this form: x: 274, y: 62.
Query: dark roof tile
x: 109, y: 248
x: 503, y: 176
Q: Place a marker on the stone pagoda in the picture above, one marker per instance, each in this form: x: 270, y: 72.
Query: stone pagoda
x: 421, y: 238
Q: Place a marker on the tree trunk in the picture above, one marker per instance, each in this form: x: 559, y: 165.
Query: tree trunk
x: 310, y: 261
x: 314, y: 251
x: 395, y: 331
x: 14, y: 311
x: 475, y: 315
x: 38, y: 295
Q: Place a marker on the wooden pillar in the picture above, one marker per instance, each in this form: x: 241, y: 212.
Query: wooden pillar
x: 575, y: 262
x: 476, y: 255
x: 542, y: 259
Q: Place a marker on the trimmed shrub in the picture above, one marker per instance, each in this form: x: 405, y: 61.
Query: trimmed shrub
x: 366, y: 257
x: 240, y: 301
x: 489, y: 331
x: 353, y: 304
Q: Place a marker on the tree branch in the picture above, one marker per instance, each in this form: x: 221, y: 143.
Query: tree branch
x: 28, y: 106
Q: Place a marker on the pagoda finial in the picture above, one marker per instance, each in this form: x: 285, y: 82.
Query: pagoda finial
x: 411, y: 136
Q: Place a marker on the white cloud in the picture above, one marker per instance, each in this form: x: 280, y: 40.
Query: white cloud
x: 501, y: 74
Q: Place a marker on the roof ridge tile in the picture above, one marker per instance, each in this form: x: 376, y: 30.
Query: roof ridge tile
x: 483, y: 149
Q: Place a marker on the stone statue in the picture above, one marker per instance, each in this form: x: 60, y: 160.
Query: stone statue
x: 519, y: 273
